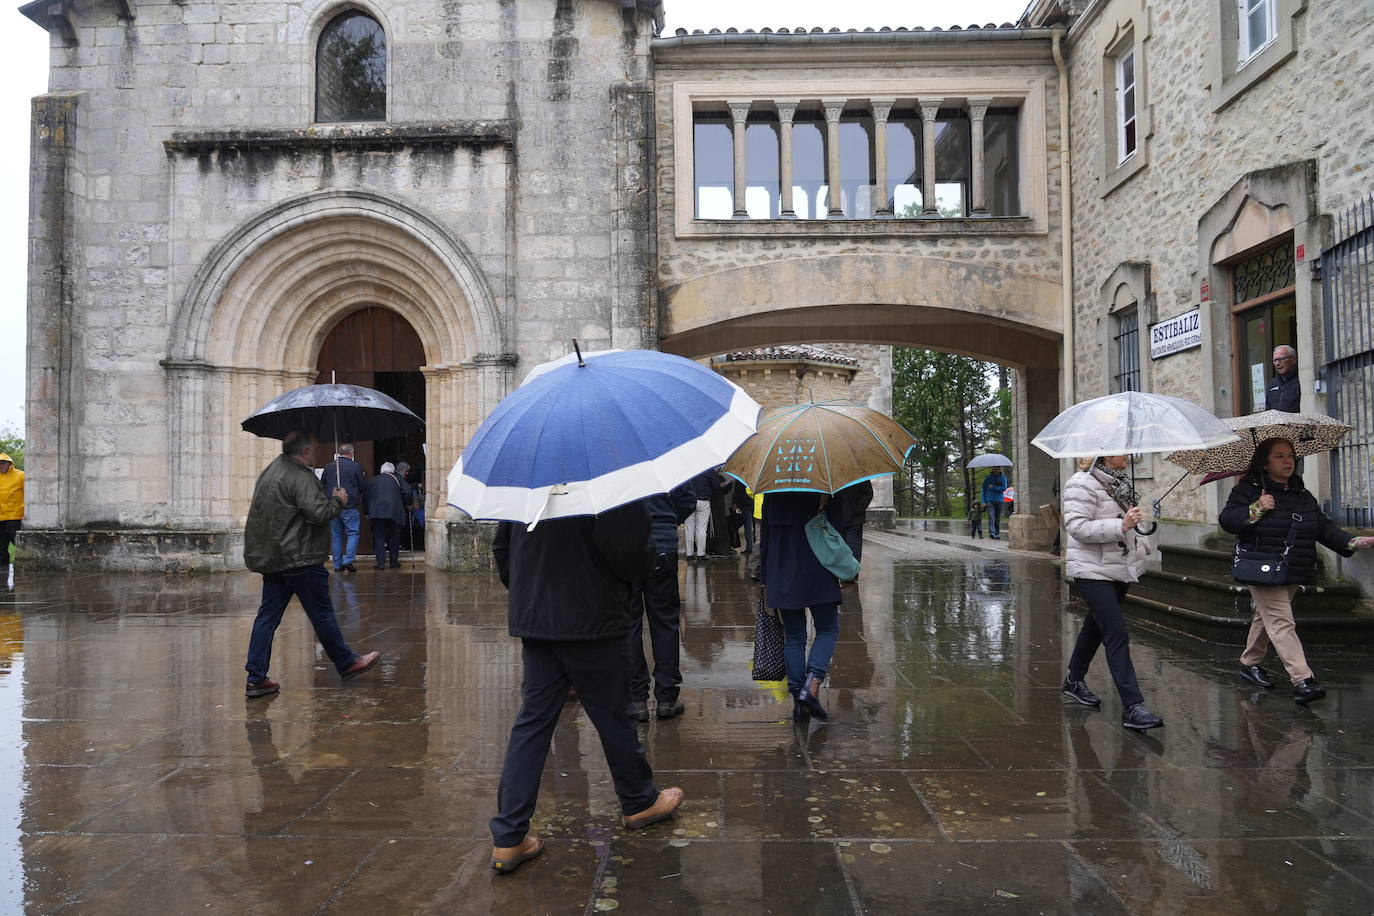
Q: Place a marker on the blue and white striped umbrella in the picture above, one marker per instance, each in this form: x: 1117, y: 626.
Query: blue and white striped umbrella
x: 584, y: 435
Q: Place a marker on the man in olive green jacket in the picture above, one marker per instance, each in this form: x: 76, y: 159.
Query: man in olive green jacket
x: 287, y: 540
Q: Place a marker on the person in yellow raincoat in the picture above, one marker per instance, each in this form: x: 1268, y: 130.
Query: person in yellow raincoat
x: 11, y: 507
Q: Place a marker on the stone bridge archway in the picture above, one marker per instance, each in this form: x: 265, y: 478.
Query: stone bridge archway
x: 896, y: 300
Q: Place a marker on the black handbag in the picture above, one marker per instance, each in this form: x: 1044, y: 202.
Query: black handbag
x: 769, y: 664
x: 1257, y: 567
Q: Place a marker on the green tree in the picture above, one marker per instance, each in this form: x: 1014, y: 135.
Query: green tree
x: 949, y: 404
x: 12, y: 444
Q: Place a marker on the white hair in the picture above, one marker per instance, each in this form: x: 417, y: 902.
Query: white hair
x: 388, y: 467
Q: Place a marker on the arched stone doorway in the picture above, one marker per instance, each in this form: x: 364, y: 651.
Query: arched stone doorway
x: 377, y: 348
x: 256, y: 319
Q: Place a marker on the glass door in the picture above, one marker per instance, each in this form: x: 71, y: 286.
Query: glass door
x: 1264, y: 316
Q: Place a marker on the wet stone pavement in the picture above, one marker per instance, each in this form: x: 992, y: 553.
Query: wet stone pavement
x: 952, y: 777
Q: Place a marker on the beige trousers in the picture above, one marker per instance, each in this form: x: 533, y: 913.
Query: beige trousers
x: 1273, y: 623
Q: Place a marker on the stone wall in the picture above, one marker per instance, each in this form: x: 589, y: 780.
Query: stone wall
x: 1206, y: 152
x: 177, y: 153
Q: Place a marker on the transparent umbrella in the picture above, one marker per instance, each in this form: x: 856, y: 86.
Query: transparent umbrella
x: 1131, y: 423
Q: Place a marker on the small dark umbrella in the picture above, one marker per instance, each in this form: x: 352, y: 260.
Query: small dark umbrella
x: 333, y: 413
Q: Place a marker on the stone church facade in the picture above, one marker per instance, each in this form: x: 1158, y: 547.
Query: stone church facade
x: 226, y: 195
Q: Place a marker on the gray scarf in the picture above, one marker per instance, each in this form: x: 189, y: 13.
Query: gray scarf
x: 1118, y: 484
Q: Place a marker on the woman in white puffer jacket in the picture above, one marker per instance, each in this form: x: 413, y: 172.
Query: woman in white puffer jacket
x: 1105, y: 554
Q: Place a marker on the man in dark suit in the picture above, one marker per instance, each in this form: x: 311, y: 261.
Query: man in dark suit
x: 570, y: 583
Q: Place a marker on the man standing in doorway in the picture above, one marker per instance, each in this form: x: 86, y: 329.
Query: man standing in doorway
x: 346, y: 474
x: 286, y: 539
x: 1284, y: 391
x: 11, y: 508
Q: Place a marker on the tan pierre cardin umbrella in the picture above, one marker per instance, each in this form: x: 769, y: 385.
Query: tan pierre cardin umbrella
x: 821, y: 448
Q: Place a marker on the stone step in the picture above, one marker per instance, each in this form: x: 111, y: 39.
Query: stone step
x: 1315, y: 630
x: 1196, y: 561
x: 1223, y: 597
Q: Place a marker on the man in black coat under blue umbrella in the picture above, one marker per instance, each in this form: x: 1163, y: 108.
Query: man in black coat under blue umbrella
x: 570, y: 582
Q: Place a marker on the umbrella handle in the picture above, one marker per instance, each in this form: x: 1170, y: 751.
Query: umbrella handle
x: 1140, y: 529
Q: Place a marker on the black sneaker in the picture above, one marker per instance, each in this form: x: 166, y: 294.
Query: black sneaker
x: 668, y: 709
x: 640, y: 710
x: 1256, y: 675
x: 1140, y: 718
x: 1079, y: 692
x: 1307, y: 690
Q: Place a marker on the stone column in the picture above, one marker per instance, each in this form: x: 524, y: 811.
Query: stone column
x: 1035, y: 392
x: 833, y: 109
x: 55, y: 392
x: 187, y: 456
x: 930, y: 108
x: 977, y: 110
x: 881, y: 109
x: 787, y: 110
x: 739, y: 113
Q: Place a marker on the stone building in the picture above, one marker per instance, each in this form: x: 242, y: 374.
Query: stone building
x: 218, y: 188
x: 433, y: 195
x: 1215, y: 156
x: 235, y: 199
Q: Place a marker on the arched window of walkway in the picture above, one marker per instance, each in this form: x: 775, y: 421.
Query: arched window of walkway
x: 350, y: 69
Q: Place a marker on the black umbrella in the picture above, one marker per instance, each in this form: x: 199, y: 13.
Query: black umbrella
x: 333, y: 413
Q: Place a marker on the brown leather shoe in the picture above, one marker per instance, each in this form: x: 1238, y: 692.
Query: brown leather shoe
x: 262, y: 688
x: 361, y: 664
x: 506, y: 859
x: 661, y: 810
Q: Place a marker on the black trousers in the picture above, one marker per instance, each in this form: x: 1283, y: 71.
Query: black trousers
x: 854, y: 537
x: 386, y: 538
x: 658, y: 599
x: 8, y: 529
x: 1105, y: 626
x: 594, y: 668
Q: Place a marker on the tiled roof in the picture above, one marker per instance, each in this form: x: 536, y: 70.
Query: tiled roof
x: 817, y: 30
x: 792, y: 352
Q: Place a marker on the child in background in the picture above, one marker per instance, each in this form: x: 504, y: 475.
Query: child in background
x: 975, y: 520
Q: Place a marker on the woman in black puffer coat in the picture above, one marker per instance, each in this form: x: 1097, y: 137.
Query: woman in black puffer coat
x: 1269, y: 501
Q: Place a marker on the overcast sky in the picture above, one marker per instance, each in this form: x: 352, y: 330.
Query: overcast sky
x: 23, y: 74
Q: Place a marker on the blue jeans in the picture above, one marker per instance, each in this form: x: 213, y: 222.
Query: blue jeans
x: 994, y: 516
x: 311, y: 585
x: 799, y: 666
x: 344, y: 538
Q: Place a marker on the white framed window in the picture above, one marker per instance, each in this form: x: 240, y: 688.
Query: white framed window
x: 1125, y: 106
x: 1258, y: 27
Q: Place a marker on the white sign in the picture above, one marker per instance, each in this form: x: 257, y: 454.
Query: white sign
x: 1173, y: 335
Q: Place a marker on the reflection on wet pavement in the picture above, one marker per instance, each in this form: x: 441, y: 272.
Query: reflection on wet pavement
x: 134, y: 776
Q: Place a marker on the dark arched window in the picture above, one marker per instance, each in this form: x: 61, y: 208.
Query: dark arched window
x: 350, y: 70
